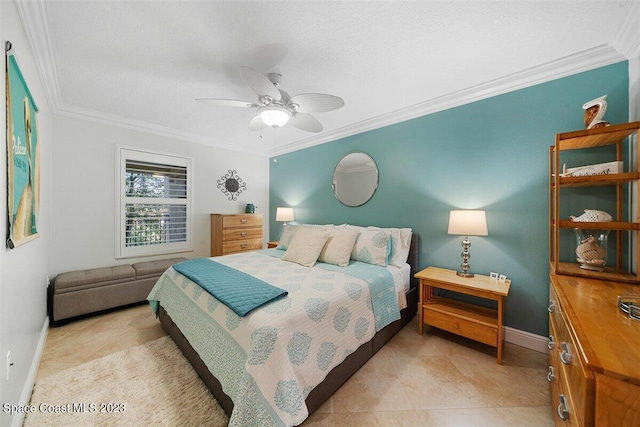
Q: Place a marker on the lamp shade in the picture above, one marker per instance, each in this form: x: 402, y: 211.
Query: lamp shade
x: 274, y: 115
x: 468, y: 223
x: 284, y: 214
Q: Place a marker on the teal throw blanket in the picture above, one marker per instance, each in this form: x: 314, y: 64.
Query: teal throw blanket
x: 239, y: 291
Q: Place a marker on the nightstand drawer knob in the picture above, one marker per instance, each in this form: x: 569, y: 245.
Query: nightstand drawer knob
x: 565, y: 355
x: 563, y: 409
x: 243, y: 246
x: 244, y: 221
x: 551, y: 376
x: 243, y: 234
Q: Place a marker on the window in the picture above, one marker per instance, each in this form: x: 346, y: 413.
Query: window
x: 154, y: 208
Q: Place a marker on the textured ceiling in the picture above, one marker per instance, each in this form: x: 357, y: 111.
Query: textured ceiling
x: 142, y: 64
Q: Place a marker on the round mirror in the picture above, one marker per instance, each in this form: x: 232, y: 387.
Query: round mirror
x: 355, y: 179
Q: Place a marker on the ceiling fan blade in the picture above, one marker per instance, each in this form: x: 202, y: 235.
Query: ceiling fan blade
x: 306, y: 122
x: 317, y: 102
x: 259, y: 83
x: 227, y: 102
x: 257, y: 124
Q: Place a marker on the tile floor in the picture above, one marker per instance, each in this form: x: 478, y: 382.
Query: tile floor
x: 437, y: 379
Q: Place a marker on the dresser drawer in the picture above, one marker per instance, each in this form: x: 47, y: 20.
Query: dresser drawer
x: 236, y: 221
x: 577, y: 382
x: 241, y: 245
x: 241, y: 234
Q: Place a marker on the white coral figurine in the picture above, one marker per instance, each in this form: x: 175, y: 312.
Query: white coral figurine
x: 592, y: 215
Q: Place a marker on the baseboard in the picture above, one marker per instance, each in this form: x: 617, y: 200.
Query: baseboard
x: 25, y: 397
x: 526, y: 339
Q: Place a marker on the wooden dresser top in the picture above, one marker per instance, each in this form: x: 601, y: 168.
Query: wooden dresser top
x: 609, y: 338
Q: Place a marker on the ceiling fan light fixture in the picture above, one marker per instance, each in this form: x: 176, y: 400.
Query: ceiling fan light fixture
x: 274, y: 115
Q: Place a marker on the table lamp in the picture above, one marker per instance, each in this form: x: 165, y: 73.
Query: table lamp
x: 467, y: 223
x: 284, y: 214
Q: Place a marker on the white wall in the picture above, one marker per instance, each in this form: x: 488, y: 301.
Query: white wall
x: 23, y: 270
x: 84, y: 190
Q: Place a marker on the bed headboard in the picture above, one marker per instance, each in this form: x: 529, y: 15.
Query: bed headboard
x: 413, y: 258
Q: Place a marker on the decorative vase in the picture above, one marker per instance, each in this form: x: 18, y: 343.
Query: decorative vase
x: 591, y: 248
x: 594, y: 112
x: 250, y: 208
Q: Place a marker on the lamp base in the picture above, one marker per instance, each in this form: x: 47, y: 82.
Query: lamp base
x: 464, y: 274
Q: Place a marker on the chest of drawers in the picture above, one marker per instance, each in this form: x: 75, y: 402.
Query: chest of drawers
x: 594, y: 354
x: 232, y: 233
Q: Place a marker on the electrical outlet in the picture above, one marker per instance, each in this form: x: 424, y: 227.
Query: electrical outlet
x: 8, y: 364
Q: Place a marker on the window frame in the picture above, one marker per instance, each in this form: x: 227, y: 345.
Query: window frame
x: 123, y: 154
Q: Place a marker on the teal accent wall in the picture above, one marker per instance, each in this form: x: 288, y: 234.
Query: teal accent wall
x: 491, y: 154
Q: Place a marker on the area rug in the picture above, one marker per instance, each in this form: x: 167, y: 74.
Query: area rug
x: 150, y: 384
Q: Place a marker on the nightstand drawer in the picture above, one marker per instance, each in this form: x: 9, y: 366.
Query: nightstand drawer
x: 241, y: 245
x: 464, y: 319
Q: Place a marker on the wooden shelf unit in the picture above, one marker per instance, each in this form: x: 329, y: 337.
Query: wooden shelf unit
x: 600, y: 137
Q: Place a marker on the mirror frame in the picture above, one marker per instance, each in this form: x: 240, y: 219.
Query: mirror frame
x: 375, y: 188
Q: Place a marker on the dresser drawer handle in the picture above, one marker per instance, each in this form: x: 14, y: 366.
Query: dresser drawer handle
x: 243, y: 234
x: 565, y: 355
x: 551, y: 376
x: 552, y: 342
x: 243, y: 246
x: 552, y: 306
x: 563, y: 409
x: 244, y: 221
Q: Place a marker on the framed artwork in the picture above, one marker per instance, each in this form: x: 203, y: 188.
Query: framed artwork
x: 23, y: 156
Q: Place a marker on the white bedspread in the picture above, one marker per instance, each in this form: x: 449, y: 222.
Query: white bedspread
x: 269, y: 361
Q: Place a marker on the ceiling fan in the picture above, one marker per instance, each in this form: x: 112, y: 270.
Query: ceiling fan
x: 276, y: 107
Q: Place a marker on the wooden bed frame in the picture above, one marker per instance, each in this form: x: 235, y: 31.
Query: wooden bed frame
x: 337, y: 376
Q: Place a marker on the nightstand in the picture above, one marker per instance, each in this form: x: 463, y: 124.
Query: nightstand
x: 468, y: 320
x: 272, y: 244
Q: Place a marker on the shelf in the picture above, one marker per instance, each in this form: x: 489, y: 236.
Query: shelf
x: 611, y: 225
x: 598, y: 180
x: 610, y: 136
x: 573, y: 269
x: 596, y: 137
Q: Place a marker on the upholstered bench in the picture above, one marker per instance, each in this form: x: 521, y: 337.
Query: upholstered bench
x: 87, y: 291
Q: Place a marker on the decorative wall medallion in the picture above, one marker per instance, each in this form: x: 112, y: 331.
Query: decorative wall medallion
x: 232, y: 185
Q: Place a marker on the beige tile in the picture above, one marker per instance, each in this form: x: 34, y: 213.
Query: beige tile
x: 434, y: 382
x: 538, y: 416
x: 375, y: 387
x: 431, y: 373
x: 83, y: 340
x: 505, y: 385
x: 381, y: 419
x: 319, y: 419
x: 461, y: 417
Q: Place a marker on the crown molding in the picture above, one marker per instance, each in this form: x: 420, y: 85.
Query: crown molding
x: 573, y: 64
x: 38, y: 32
x: 145, y: 127
x: 627, y: 41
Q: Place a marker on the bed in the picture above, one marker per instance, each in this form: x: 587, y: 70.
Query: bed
x: 284, y: 359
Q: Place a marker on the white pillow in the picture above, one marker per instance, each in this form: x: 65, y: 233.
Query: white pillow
x: 400, y: 244
x: 372, y: 247
x: 306, y: 245
x: 338, y: 248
